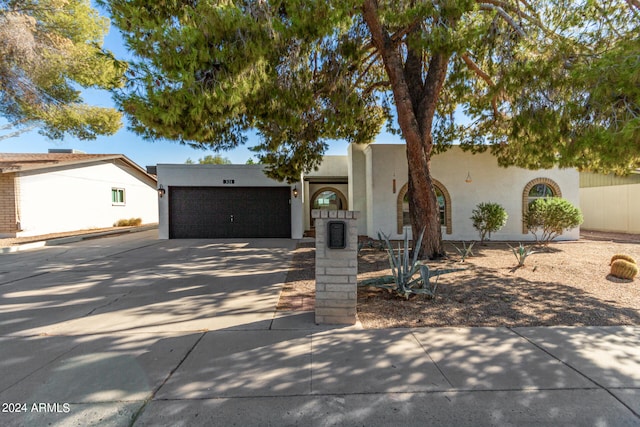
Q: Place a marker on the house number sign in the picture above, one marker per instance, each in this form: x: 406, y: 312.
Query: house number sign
x: 228, y: 181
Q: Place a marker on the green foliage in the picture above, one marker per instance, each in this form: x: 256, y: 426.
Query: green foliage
x: 465, y: 251
x: 547, y: 218
x: 521, y: 253
x: 403, y: 281
x: 49, y: 48
x: 210, y: 160
x: 544, y: 77
x: 624, y: 269
x: 131, y: 222
x: 488, y: 218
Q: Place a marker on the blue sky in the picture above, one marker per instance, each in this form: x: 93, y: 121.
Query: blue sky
x: 133, y: 146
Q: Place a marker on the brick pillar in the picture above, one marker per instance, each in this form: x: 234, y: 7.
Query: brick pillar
x: 9, y: 195
x: 336, y: 268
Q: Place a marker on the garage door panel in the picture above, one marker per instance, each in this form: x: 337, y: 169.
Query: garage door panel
x: 229, y: 212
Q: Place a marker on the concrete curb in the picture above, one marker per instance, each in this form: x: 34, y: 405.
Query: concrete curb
x: 72, y: 239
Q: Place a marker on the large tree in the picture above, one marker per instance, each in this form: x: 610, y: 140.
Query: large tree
x: 302, y: 72
x: 49, y: 49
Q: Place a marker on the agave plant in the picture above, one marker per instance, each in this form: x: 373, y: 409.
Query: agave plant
x: 521, y: 253
x: 405, y: 267
x: 465, y: 251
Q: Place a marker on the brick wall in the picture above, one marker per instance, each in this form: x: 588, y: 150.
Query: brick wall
x: 336, y: 270
x: 9, y: 194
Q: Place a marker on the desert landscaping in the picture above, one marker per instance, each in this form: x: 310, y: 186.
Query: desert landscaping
x: 566, y: 284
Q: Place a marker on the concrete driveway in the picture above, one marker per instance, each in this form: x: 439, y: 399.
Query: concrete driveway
x: 136, y: 283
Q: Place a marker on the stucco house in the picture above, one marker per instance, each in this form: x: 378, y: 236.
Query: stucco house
x: 599, y: 193
x: 68, y: 191
x: 218, y: 201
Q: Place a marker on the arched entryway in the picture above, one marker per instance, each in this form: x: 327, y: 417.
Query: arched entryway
x: 328, y: 198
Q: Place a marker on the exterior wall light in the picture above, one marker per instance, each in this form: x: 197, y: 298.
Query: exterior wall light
x: 161, y: 191
x: 295, y: 191
x: 468, y: 178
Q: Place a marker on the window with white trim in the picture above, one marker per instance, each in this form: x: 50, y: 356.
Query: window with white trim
x: 117, y: 197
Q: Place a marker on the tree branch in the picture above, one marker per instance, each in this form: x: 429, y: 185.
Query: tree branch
x: 505, y: 16
x: 484, y: 76
x: 371, y: 88
x: 16, y: 133
x: 473, y: 66
x: 634, y: 3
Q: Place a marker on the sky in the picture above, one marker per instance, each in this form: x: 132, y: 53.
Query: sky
x: 142, y: 152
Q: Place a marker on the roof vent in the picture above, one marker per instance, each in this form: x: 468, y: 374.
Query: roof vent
x: 65, y: 151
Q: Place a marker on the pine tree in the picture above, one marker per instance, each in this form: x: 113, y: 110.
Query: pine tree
x: 48, y: 49
x: 303, y: 72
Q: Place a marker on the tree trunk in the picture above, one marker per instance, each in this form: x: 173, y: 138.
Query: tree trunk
x: 416, y: 97
x: 423, y: 204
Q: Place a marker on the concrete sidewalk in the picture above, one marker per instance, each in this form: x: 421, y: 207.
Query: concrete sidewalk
x: 133, y: 331
x: 299, y: 374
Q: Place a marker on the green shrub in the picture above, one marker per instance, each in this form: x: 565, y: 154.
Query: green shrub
x: 548, y: 218
x: 488, y: 218
x: 131, y: 222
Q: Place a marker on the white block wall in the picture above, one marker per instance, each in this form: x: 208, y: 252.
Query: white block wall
x: 611, y: 208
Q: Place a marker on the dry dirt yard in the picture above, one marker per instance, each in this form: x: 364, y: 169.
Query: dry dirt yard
x: 569, y: 284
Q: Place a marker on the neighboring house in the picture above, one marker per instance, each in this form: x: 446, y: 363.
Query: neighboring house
x: 610, y: 202
x: 57, y: 192
x: 216, y: 201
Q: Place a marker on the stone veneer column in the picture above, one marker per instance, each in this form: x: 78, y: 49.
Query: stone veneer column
x: 336, y: 269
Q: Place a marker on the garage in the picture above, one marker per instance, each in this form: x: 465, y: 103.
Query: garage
x: 229, y: 212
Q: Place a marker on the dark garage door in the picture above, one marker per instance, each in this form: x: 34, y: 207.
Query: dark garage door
x: 224, y: 212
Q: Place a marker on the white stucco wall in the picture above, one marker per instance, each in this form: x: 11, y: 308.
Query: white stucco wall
x: 183, y: 175
x: 331, y: 166
x: 357, y: 163
x: 490, y: 183
x: 611, y: 208
x: 74, y: 198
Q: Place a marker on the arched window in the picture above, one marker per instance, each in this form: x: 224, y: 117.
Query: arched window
x: 535, y: 189
x: 328, y: 198
x: 539, y: 191
x: 444, y: 202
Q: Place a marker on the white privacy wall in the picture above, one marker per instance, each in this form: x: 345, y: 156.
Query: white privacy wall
x: 79, y: 197
x: 490, y: 183
x: 611, y: 208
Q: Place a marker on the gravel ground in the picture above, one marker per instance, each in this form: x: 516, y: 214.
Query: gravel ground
x: 568, y: 284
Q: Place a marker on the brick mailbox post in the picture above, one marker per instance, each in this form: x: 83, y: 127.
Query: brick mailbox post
x: 336, y: 266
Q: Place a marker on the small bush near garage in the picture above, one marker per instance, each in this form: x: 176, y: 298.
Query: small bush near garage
x: 548, y: 218
x: 131, y: 222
